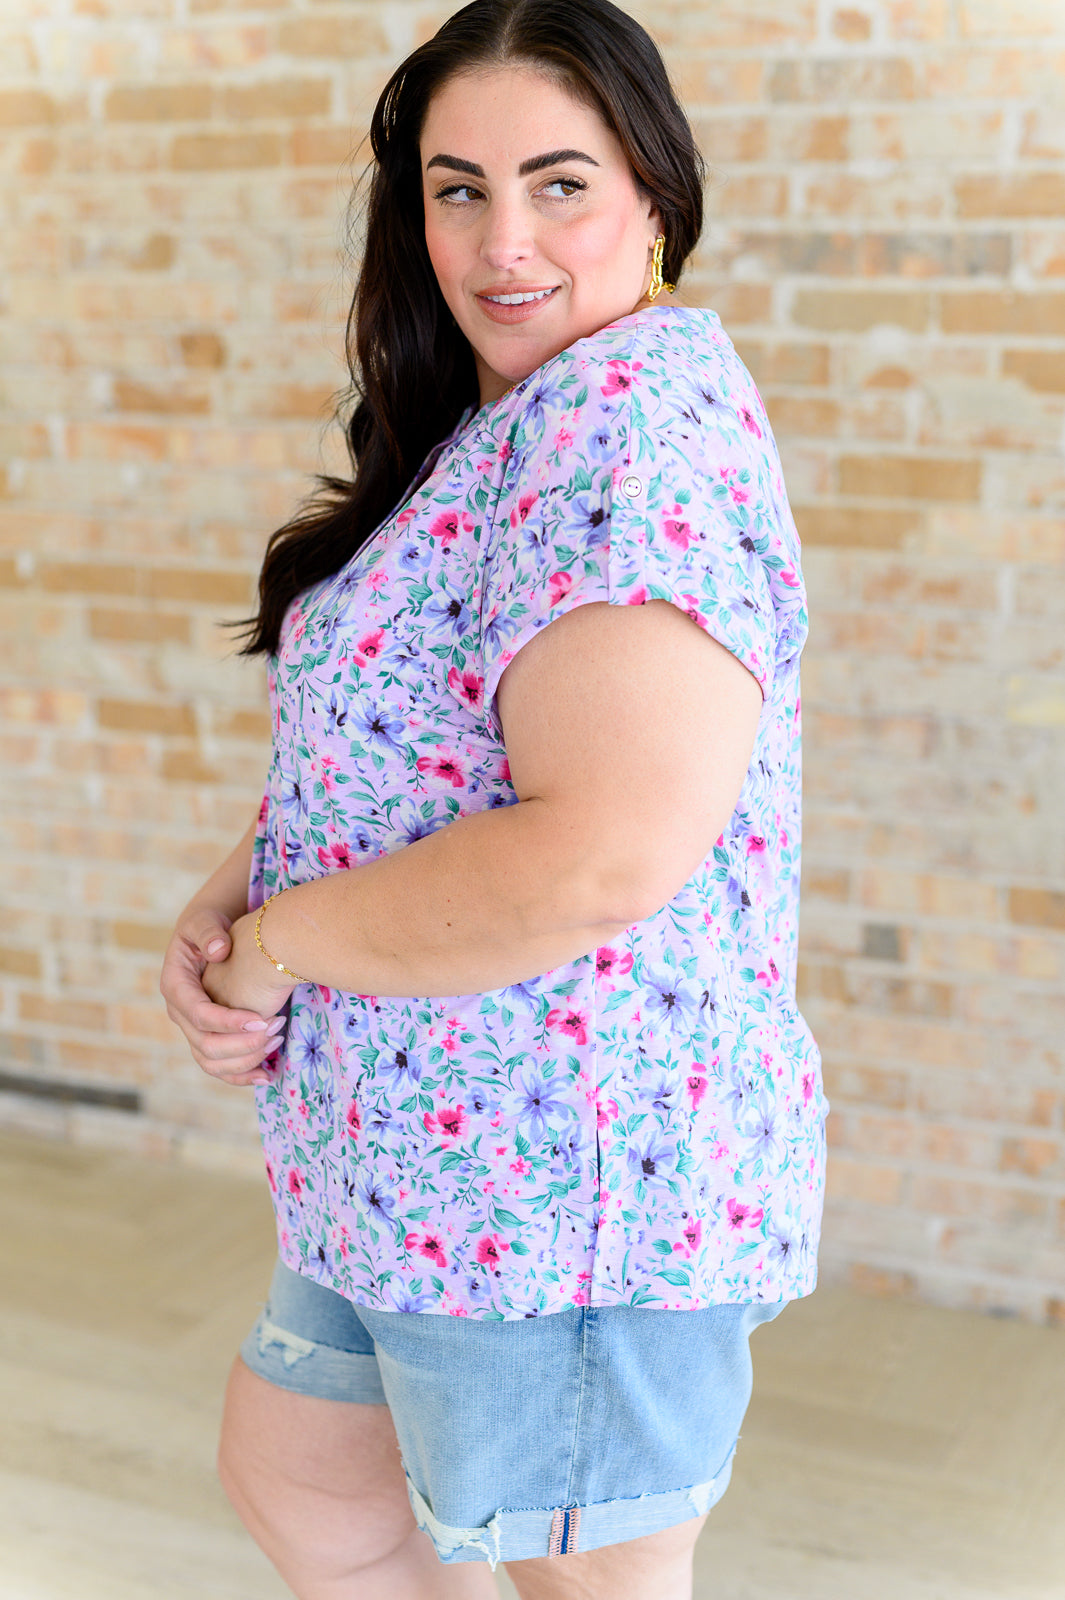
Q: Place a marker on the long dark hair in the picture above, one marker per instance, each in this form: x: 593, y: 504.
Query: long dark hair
x: 412, y: 369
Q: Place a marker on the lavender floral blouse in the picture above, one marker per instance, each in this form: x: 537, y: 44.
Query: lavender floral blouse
x: 644, y: 1125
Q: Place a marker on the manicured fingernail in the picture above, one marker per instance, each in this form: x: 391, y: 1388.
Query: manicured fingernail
x: 275, y: 1025
x: 258, y: 1026
x: 215, y: 945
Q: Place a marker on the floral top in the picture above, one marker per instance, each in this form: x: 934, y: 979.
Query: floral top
x: 644, y: 1125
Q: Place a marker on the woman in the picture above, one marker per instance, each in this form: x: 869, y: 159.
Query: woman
x: 543, y: 1125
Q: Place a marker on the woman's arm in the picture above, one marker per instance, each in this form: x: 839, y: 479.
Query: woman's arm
x: 202, y: 937
x: 629, y: 732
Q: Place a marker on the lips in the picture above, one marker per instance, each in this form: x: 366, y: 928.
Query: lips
x: 511, y: 303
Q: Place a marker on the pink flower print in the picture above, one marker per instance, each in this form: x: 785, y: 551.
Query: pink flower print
x: 468, y: 686
x: 521, y: 1167
x: 488, y: 1251
x: 448, y: 525
x: 606, y: 1113
x: 563, y: 439
x: 335, y: 858
x: 445, y: 766
x: 693, y: 1233
x: 637, y: 597
x: 377, y: 581
x: 271, y: 1180
x: 369, y: 647
x: 295, y: 1183
x: 450, y: 1122
x: 738, y: 1215
x: 677, y: 530
x: 747, y: 418
x: 559, y: 584
x: 525, y: 505
x: 691, y: 608
x: 619, y: 379
x: 771, y: 977
x: 807, y: 1088
x: 504, y: 450
x: 609, y: 964
x: 755, y: 844
x: 405, y: 516
x: 353, y: 1119
x: 572, y: 1021
x: 696, y: 1087
x: 740, y: 496
x: 427, y: 1244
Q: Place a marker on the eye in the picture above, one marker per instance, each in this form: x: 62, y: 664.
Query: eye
x: 450, y: 195
x: 569, y: 187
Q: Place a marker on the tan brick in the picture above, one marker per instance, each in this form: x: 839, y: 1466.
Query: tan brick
x: 215, y: 152
x: 863, y: 1181
x: 321, y: 147
x: 203, y: 349
x: 856, y: 527
x: 1032, y: 1157
x: 716, y: 81
x: 856, y: 80
x: 20, y: 963
x: 188, y: 766
x: 146, y: 716
x: 310, y: 400
x: 858, y: 310
x: 759, y: 195
x: 732, y: 138
x: 174, y: 399
x: 853, y: 27
x: 336, y: 38
x: 826, y: 883
x: 803, y: 414
x: 883, y: 1283
x: 1039, y: 312
x: 791, y: 362
x: 83, y: 1015
x: 277, y: 100
x: 1042, y: 370
x: 140, y: 626
x: 22, y: 107
x: 169, y: 102
x: 86, y: 577
x: 1040, y: 908
x: 738, y: 303
x: 1043, y: 134
x: 198, y: 585
x: 253, y: 726
x: 910, y: 477
x: 1029, y: 194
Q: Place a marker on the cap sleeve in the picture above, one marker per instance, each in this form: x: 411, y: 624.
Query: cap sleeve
x: 626, y: 486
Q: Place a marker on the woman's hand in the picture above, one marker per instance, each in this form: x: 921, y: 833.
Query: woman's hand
x: 227, y: 1041
x: 245, y: 977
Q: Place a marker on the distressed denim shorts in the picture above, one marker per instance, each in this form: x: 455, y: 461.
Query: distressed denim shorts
x: 551, y: 1434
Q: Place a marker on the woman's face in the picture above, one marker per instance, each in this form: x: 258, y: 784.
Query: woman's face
x: 528, y: 192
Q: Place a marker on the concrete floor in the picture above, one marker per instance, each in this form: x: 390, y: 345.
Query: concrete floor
x: 892, y: 1452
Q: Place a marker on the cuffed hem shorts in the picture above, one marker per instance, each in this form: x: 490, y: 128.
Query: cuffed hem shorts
x: 537, y: 1437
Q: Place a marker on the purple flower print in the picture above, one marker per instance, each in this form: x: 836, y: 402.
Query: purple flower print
x: 377, y: 1195
x: 381, y: 730
x: 761, y: 1127
x: 538, y: 1100
x: 404, y: 1300
x: 306, y: 1048
x: 672, y: 1001
x: 592, y: 524
x: 402, y: 1063
x: 651, y: 1157
x: 450, y: 612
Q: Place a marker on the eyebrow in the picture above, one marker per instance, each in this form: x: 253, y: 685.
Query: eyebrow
x: 550, y: 158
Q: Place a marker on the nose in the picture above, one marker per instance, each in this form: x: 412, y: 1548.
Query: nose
x: 506, y: 240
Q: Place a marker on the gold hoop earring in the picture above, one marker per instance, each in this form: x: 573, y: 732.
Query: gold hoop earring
x: 658, y: 282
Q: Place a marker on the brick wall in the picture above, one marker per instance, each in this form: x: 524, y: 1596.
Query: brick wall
x: 885, y: 244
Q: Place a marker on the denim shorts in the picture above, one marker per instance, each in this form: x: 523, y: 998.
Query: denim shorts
x: 543, y: 1436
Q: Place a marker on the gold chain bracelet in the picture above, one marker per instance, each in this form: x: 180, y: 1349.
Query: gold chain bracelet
x: 278, y: 965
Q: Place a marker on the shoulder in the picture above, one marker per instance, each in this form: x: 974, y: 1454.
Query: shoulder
x: 656, y: 378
